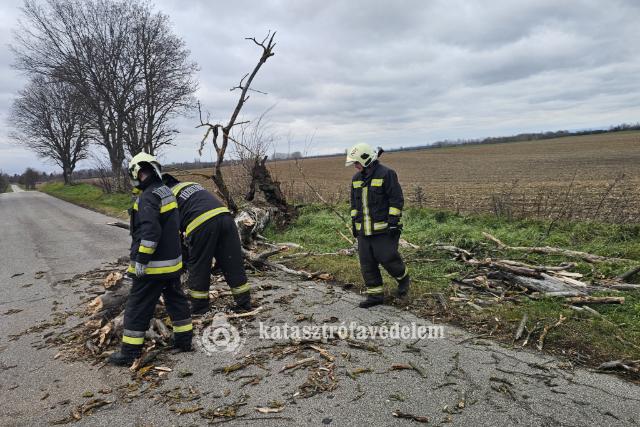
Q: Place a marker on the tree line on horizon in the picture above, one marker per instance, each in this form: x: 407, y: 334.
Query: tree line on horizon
x: 98, y: 172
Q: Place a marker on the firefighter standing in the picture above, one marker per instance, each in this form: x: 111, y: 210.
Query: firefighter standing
x: 376, y: 208
x: 209, y: 232
x: 156, y: 262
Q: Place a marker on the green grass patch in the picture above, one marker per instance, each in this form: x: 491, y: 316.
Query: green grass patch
x: 584, y: 338
x: 91, y: 197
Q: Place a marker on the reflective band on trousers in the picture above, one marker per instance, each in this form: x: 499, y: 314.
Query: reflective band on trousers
x: 132, y: 340
x: 395, y: 211
x: 200, y: 219
x: 241, y: 289
x: 183, y: 328
x: 406, y: 271
x: 375, y: 290
x: 198, y: 294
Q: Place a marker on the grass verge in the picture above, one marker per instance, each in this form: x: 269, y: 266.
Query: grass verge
x: 584, y: 339
x: 90, y: 197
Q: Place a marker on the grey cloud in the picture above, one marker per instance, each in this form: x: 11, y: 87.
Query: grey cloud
x: 407, y: 72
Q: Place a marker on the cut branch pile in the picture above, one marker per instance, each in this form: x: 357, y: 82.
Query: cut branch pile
x: 494, y: 280
x: 101, y: 332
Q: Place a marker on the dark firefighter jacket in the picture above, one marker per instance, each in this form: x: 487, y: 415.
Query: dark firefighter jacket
x: 155, y: 233
x: 196, y: 206
x: 376, y: 200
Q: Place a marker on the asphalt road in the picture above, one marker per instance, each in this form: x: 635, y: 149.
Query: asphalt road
x: 459, y: 380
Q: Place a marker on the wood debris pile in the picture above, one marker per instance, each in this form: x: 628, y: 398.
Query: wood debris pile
x: 493, y: 280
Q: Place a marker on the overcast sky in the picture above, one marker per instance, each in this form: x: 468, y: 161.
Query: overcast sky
x: 395, y: 73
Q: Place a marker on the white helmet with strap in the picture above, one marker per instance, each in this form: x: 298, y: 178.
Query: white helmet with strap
x: 361, y: 153
x: 138, y: 162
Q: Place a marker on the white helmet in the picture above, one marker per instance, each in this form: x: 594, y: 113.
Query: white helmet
x: 361, y: 153
x: 138, y: 161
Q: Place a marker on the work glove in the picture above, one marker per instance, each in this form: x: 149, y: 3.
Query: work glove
x: 140, y: 268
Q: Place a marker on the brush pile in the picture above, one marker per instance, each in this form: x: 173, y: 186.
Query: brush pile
x: 493, y: 280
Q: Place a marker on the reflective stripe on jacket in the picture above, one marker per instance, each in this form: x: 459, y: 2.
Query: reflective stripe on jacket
x: 196, y: 205
x: 376, y: 199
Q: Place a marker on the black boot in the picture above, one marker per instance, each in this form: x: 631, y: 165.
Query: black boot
x: 372, y: 300
x: 199, y: 306
x: 126, y: 356
x: 182, y: 341
x: 403, y: 287
x: 243, y: 302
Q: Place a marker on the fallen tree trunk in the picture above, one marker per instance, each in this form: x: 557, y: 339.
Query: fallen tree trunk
x: 104, y: 305
x: 591, y: 258
x: 547, y: 285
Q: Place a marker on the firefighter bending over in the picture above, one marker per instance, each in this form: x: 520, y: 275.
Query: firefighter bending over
x: 209, y: 232
x: 376, y: 209
x: 156, y: 262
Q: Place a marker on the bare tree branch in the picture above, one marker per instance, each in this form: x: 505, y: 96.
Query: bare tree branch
x: 213, y: 129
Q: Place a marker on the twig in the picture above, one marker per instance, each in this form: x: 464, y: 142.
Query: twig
x: 520, y: 330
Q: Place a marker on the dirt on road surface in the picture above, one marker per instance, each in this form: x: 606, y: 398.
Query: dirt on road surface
x: 457, y: 380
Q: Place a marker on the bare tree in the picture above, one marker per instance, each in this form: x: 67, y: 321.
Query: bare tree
x: 244, y: 86
x: 166, y: 85
x: 111, y: 51
x: 49, y: 120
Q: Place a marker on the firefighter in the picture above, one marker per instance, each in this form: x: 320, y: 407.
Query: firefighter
x: 376, y: 209
x: 209, y: 232
x: 156, y: 262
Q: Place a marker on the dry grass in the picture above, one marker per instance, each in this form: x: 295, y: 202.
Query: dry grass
x: 586, y: 177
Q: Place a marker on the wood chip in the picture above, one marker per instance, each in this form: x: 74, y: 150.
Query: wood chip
x: 268, y: 410
x: 416, y: 418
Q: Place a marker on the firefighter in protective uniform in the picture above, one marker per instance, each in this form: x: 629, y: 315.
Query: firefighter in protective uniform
x: 156, y: 262
x: 376, y: 209
x: 209, y: 232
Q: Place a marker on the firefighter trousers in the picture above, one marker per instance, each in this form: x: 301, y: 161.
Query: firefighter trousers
x: 217, y: 238
x: 376, y: 250
x: 141, y: 304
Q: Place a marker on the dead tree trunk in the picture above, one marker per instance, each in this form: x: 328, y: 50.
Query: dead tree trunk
x: 267, y: 46
x: 261, y: 177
